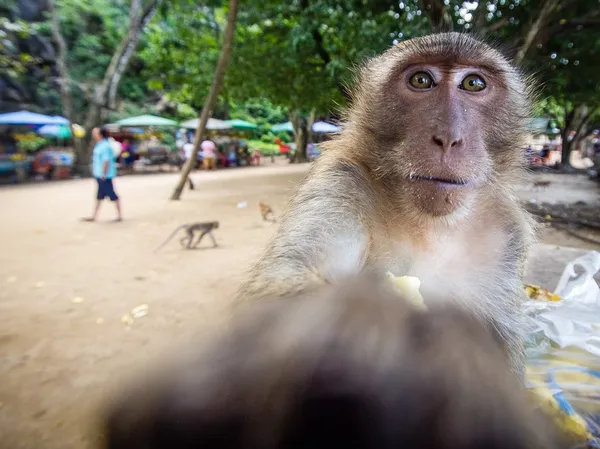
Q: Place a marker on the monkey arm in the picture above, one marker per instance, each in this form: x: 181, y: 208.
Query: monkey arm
x: 323, y: 236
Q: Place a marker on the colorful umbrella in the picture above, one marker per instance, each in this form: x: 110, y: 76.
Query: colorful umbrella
x: 287, y: 126
x: 324, y: 127
x: 212, y: 124
x: 146, y: 120
x: 60, y: 131
x: 31, y: 118
x: 241, y: 124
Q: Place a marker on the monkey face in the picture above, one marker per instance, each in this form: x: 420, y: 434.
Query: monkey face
x: 447, y: 113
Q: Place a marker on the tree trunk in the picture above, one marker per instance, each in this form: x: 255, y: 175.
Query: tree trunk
x: 302, y: 132
x: 567, y: 146
x: 576, y: 120
x: 104, y: 95
x: 301, y: 141
x: 64, y: 80
x: 438, y: 15
x: 212, y: 95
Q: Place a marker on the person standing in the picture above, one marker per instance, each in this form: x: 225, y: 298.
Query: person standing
x: 104, y: 169
x: 188, y: 149
x: 208, y: 148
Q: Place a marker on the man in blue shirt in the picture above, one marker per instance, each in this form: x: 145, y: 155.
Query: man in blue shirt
x: 104, y: 169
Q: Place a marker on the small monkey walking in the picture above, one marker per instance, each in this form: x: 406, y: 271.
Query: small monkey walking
x: 266, y: 212
x: 203, y: 228
x: 420, y: 182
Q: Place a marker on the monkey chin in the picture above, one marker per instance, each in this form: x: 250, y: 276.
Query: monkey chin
x: 441, y: 199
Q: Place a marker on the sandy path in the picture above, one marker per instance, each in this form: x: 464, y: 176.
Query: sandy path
x: 56, y: 361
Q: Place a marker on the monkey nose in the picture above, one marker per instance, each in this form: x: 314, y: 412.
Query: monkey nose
x: 447, y: 142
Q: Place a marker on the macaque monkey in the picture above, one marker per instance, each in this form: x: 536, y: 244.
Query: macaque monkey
x: 203, y: 228
x: 419, y: 182
x: 266, y: 212
x: 354, y: 366
x: 537, y: 185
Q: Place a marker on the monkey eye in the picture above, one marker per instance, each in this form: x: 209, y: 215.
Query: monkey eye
x: 421, y: 80
x: 473, y: 83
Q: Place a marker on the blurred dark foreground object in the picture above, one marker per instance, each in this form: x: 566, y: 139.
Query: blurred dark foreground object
x: 340, y: 367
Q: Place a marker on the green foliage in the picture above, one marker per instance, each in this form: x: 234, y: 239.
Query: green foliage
x: 294, y: 56
x: 168, y: 139
x: 266, y: 149
x: 32, y: 143
x: 297, y: 54
x: 13, y: 62
x: 181, y: 52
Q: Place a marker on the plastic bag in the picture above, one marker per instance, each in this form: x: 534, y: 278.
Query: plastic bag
x: 563, y: 351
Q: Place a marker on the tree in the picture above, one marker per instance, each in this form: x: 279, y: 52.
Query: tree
x: 102, y: 95
x: 182, y: 49
x: 297, y: 54
x: 524, y: 25
x: 212, y: 95
x: 573, y: 95
x: 16, y: 60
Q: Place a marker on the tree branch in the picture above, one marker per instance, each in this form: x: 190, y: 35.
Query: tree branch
x: 533, y: 31
x: 212, y: 94
x: 137, y: 24
x: 64, y: 79
x: 479, y: 17
x: 323, y: 54
x: 553, y: 30
x: 496, y: 25
x: 438, y: 15
x: 105, y: 94
x: 584, y: 121
x: 569, y: 116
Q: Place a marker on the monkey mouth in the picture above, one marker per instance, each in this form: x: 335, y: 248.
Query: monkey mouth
x: 454, y: 182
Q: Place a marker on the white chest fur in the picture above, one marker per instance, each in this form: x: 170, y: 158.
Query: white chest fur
x: 458, y: 266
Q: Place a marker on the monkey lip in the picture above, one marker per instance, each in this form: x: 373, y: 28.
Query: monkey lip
x: 442, y: 181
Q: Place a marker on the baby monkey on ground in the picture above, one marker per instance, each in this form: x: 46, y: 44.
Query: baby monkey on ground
x: 267, y: 212
x: 351, y: 366
x: 203, y: 228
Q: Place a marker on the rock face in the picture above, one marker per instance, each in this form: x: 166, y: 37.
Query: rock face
x: 23, y: 91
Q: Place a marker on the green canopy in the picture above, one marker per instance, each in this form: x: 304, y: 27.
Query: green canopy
x: 212, y: 124
x: 241, y: 124
x: 287, y: 126
x: 146, y: 120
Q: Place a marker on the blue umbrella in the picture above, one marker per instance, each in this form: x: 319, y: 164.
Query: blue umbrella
x: 324, y: 127
x: 287, y: 126
x: 31, y: 118
x: 60, y: 131
x: 318, y: 127
x: 58, y: 120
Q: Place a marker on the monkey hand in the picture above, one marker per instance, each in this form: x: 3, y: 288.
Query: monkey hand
x: 348, y: 366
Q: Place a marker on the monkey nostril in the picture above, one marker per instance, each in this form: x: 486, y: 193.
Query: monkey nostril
x: 438, y: 141
x: 456, y: 142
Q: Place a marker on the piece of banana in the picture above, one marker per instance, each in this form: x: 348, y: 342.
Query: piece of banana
x: 408, y: 287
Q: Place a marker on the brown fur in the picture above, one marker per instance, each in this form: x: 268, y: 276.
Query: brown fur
x: 365, y: 207
x: 350, y: 367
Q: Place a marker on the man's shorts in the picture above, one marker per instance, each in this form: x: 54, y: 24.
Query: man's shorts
x: 106, y: 189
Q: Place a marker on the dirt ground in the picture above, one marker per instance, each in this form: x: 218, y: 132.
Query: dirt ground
x: 67, y: 285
